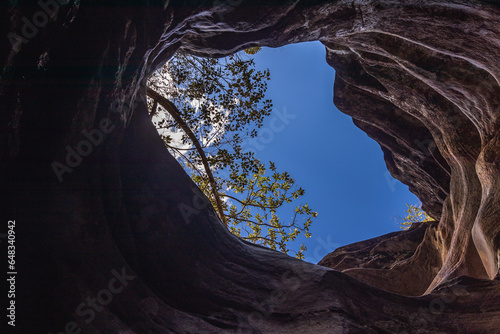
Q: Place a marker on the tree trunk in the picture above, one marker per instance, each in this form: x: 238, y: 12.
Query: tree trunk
x: 174, y: 112
x: 112, y: 236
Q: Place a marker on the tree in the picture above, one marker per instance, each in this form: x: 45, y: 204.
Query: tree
x: 415, y: 214
x: 205, y: 109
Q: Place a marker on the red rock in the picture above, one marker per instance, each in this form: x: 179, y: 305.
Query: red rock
x: 421, y: 78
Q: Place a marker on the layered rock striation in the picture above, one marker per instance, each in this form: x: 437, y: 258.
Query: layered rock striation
x: 102, y: 243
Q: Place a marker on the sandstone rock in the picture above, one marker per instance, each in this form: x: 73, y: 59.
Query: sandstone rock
x: 420, y: 77
x: 401, y: 262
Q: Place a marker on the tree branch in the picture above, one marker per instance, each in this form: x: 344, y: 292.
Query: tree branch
x: 174, y: 112
x: 253, y: 204
x: 265, y: 224
x: 258, y: 238
x: 153, y: 109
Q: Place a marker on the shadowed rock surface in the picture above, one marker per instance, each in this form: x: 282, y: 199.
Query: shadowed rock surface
x: 422, y: 78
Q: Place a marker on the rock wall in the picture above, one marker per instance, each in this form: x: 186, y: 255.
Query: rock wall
x: 403, y: 262
x: 103, y: 243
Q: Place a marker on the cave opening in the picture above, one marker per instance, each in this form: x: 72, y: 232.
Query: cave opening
x: 356, y: 196
x: 426, y: 71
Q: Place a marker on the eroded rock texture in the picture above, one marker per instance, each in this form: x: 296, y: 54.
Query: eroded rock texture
x: 393, y: 262
x: 420, y: 77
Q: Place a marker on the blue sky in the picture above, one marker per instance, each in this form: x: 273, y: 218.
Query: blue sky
x: 339, y: 166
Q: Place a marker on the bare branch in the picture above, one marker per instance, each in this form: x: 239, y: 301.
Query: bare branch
x: 153, y: 109
x: 174, y: 112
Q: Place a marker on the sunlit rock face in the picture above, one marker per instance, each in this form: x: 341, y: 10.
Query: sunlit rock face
x: 102, y: 245
x: 393, y: 262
